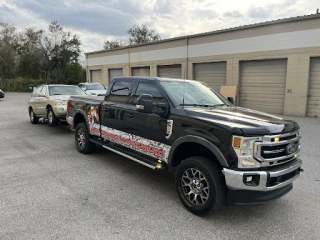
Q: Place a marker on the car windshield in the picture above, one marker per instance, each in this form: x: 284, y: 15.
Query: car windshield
x: 65, y: 90
x: 194, y: 94
x: 95, y: 87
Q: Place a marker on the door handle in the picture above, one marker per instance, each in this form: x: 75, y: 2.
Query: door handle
x: 130, y: 115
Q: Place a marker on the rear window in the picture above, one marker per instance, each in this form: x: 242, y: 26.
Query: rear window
x: 65, y: 90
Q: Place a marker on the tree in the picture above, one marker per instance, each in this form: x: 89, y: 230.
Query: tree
x: 60, y: 49
x: 9, y: 45
x: 111, y: 44
x: 75, y: 73
x: 142, y: 34
x: 31, y: 57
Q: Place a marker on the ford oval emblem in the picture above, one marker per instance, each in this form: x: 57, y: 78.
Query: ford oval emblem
x: 291, y: 148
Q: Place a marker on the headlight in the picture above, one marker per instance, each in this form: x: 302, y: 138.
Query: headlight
x: 60, y: 102
x: 243, y: 146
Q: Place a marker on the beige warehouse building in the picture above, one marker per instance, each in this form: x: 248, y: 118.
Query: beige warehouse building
x: 275, y: 65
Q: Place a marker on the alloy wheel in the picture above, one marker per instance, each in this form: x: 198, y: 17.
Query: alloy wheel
x: 81, y: 137
x: 50, y: 117
x: 195, y: 186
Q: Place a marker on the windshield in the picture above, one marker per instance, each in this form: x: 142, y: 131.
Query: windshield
x: 95, y: 87
x: 195, y: 94
x: 65, y: 90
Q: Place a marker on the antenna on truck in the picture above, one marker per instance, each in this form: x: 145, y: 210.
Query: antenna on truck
x: 185, y: 72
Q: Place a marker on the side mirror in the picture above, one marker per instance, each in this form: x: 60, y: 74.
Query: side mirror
x: 42, y: 95
x: 230, y: 99
x: 144, y: 103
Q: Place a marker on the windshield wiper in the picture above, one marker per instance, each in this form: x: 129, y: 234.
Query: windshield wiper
x: 202, y: 105
x: 219, y: 105
x: 57, y: 94
x: 194, y: 105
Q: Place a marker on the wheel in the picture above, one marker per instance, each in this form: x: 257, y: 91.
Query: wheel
x: 52, y: 119
x: 33, y: 118
x: 82, y: 139
x: 200, y: 185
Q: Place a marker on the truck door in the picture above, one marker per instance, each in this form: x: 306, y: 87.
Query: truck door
x: 115, y: 104
x: 148, y: 126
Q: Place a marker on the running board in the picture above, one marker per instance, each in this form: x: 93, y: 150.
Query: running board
x: 155, y: 166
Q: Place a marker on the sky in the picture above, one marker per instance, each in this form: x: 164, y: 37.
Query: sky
x: 96, y: 21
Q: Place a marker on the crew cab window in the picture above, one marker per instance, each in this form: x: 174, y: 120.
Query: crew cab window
x: 120, y: 91
x: 149, y: 88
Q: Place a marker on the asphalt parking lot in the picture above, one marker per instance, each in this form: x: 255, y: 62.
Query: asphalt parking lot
x: 50, y: 191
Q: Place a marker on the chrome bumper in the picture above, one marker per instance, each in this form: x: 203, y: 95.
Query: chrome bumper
x: 235, y: 180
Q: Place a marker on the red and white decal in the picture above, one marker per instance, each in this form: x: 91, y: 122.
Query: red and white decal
x: 94, y: 121
x: 152, y: 148
x: 94, y: 129
x: 70, y: 120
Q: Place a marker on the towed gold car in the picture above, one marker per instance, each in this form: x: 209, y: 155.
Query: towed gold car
x: 50, y: 102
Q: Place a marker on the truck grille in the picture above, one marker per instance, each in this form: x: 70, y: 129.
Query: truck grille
x: 275, y: 150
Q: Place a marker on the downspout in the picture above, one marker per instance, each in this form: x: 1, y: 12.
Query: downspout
x: 187, y: 59
x: 129, y: 67
x: 87, y: 70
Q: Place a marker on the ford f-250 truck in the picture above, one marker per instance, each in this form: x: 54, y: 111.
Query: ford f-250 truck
x: 220, y: 153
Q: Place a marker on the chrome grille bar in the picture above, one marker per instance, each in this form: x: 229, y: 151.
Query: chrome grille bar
x: 277, y: 151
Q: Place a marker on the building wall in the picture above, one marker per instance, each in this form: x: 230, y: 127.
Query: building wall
x: 295, y: 40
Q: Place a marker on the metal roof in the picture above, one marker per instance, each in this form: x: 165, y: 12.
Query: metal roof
x: 283, y: 20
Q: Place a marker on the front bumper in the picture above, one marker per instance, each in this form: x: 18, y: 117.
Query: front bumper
x: 275, y: 178
x: 60, y: 111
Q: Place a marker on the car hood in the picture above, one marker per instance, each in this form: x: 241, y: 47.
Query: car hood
x: 243, y: 121
x: 60, y: 97
x: 97, y: 91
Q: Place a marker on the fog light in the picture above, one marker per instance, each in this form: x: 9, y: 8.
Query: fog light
x: 61, y: 110
x: 251, y: 180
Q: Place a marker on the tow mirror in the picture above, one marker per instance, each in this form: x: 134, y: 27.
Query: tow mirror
x: 144, y: 103
x: 230, y: 99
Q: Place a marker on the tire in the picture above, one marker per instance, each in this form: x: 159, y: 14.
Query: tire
x: 82, y: 139
x: 33, y: 118
x: 203, y: 196
x: 52, y: 119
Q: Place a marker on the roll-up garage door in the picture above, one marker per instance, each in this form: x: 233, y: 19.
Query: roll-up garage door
x: 262, y: 85
x: 170, y: 71
x: 214, y: 74
x: 140, y: 71
x: 313, y: 109
x: 117, y: 72
x: 96, y: 75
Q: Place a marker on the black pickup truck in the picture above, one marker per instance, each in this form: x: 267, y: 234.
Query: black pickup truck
x: 220, y: 153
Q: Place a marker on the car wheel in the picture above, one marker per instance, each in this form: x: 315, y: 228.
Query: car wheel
x: 82, y: 139
x: 52, y: 119
x: 33, y: 118
x: 200, y: 185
